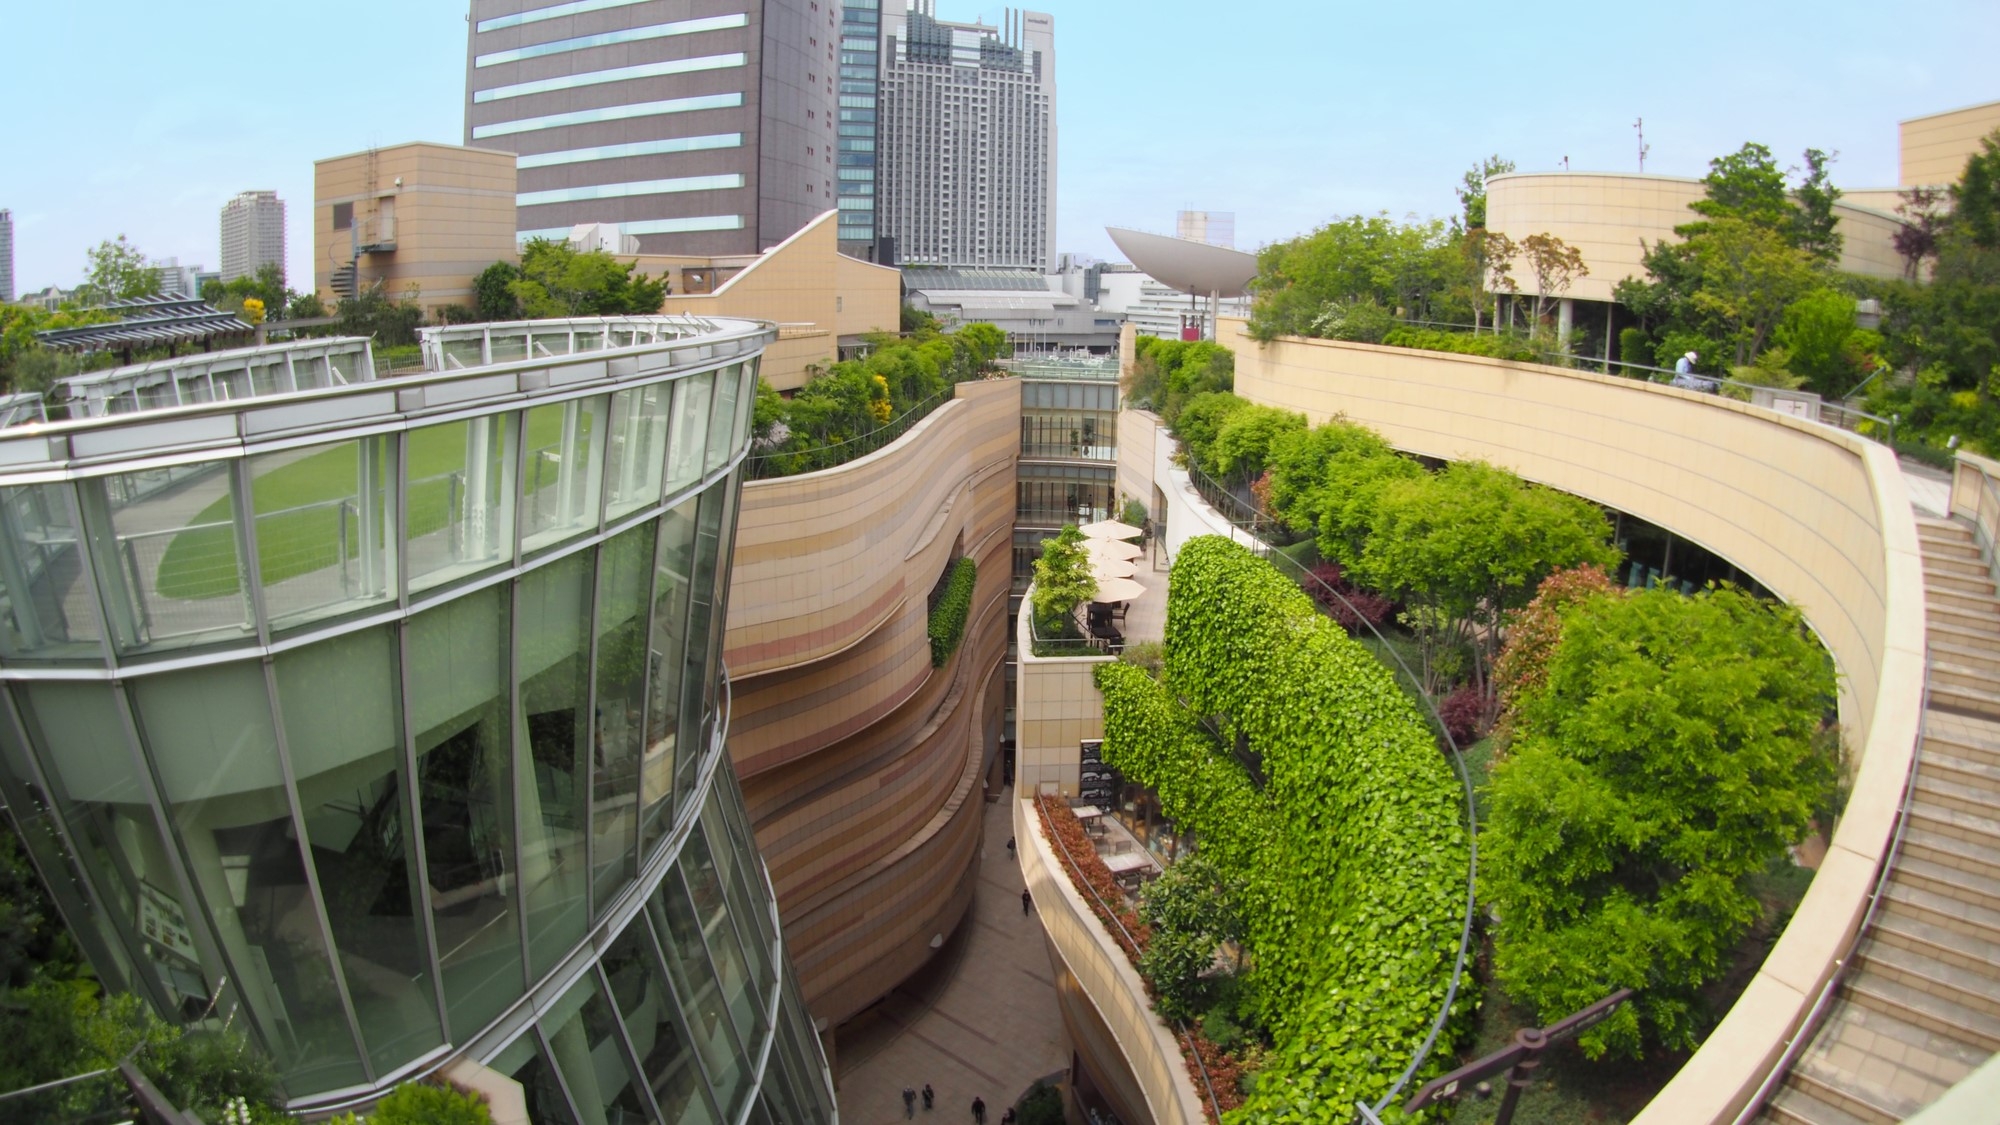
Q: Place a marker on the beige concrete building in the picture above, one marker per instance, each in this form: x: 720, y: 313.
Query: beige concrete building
x: 1935, y: 146
x: 419, y: 220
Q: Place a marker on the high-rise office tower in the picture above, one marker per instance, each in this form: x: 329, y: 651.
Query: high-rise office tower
x: 860, y: 53
x: 967, y: 138
x: 698, y: 127
x: 253, y: 234
x: 6, y: 256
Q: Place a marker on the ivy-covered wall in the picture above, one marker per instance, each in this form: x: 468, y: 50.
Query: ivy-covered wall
x: 947, y: 624
x: 1350, y: 838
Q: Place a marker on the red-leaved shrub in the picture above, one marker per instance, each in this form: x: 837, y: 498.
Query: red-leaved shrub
x: 1464, y: 715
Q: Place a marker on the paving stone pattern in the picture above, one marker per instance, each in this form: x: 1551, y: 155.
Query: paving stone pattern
x: 1921, y: 1008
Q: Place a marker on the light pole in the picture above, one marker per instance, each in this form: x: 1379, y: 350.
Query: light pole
x: 1519, y: 1059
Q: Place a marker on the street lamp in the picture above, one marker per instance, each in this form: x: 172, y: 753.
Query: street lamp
x: 1519, y: 1059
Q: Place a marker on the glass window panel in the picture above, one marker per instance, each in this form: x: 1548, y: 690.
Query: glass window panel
x: 701, y: 996
x: 624, y: 577
x: 684, y: 458
x: 563, y: 469
x: 619, y: 152
x: 85, y: 753
x: 209, y: 734
x: 508, y: 345
x: 587, y: 341
x: 460, y: 498
x: 722, y: 421
x: 340, y: 700
x: 697, y: 685
x: 524, y: 1061
x: 458, y: 715
x: 638, y: 452
x: 46, y: 610
x: 464, y: 353
x: 674, y: 569
x: 735, y: 870
x: 712, y: 905
x: 552, y: 646
x: 652, y: 1022
x: 746, y: 405
x: 587, y: 1047
x: 553, y: 11
x: 614, y: 74
x: 323, y: 528
x: 639, y: 187
x: 163, y: 542
x: 608, y: 113
x: 608, y: 38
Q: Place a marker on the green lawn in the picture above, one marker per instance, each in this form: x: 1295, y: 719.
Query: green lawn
x: 202, y: 563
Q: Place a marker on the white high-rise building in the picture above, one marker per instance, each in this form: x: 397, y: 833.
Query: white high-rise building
x: 6, y: 256
x: 253, y: 234
x: 967, y: 138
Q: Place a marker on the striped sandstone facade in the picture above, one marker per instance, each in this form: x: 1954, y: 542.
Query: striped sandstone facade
x: 864, y: 768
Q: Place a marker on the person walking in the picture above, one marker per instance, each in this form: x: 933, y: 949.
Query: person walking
x: 1027, y: 902
x: 927, y: 1097
x: 978, y: 1111
x: 909, y: 1103
x: 1010, y: 847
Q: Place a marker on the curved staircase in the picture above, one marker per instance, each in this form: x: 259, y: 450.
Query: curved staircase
x: 1920, y: 1006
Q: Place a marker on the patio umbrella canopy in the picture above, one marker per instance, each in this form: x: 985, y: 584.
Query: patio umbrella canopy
x: 1104, y: 570
x: 1113, y: 549
x: 1110, y: 529
x: 1115, y: 590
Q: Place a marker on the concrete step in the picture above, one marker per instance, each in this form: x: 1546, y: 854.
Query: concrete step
x: 1895, y: 926
x: 1844, y: 1093
x: 1944, y: 530
x: 1953, y: 914
x: 1954, y: 599
x: 1975, y: 773
x: 1949, y: 549
x: 1945, y: 1017
x: 1957, y: 566
x: 1965, y: 700
x: 1975, y: 991
x: 1958, y: 583
x: 1793, y: 1105
x: 1922, y: 842
x: 1975, y: 831
x: 1963, y: 737
x: 1944, y: 623
x: 1941, y: 793
x: 1948, y: 671
x: 1953, y: 882
x: 1961, y: 653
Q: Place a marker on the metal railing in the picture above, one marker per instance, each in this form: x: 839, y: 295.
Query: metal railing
x: 1132, y: 947
x: 776, y: 463
x: 1245, y: 518
x: 1884, y: 875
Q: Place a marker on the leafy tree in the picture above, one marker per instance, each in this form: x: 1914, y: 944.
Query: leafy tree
x: 1975, y: 197
x: 1489, y: 260
x: 1200, y: 423
x: 1472, y: 189
x: 116, y: 270
x: 1916, y: 240
x: 1555, y: 265
x: 372, y: 313
x: 985, y: 342
x: 1813, y: 222
x: 1815, y: 334
x: 1062, y: 580
x: 1192, y: 909
x: 1242, y: 446
x: 915, y: 321
x: 557, y: 280
x: 1311, y: 284
x: 304, y: 306
x: 1532, y: 632
x: 1324, y: 481
x: 493, y: 292
x: 1166, y: 373
x: 1750, y: 275
x: 1464, y: 547
x: 1668, y: 757
x: 1748, y: 185
x: 420, y: 1103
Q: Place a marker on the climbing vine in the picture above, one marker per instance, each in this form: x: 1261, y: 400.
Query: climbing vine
x: 1347, y: 837
x: 947, y: 624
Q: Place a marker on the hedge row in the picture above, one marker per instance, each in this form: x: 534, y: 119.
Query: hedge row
x: 948, y: 619
x: 1351, y: 846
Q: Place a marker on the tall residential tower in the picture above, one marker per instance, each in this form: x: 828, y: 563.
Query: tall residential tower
x: 253, y: 234
x: 6, y: 256
x: 698, y: 126
x: 967, y: 138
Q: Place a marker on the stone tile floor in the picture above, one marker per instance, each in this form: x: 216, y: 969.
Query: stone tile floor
x: 979, y: 1021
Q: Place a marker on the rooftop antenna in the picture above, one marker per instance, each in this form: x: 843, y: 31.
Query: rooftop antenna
x: 1565, y: 162
x: 1640, y: 125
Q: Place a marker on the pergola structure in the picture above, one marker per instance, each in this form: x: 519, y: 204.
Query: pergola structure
x: 149, y: 322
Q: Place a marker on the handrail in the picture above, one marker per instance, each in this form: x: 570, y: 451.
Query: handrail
x: 1252, y: 525
x: 756, y: 464
x: 1803, y: 1036
x: 1131, y: 943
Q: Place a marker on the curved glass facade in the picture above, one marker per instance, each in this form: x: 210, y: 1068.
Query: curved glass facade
x: 387, y: 722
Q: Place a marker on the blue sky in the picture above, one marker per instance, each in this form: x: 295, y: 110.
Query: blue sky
x: 144, y: 118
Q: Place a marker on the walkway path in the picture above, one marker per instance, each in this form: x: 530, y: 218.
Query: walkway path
x: 979, y: 1021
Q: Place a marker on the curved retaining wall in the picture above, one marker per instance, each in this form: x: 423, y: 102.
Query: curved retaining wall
x: 861, y: 763
x: 1817, y: 515
x: 1081, y: 947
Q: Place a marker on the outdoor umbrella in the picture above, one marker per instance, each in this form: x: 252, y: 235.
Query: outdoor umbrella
x: 1117, y: 590
x: 1104, y: 569
x: 1110, y: 529
x: 1113, y: 549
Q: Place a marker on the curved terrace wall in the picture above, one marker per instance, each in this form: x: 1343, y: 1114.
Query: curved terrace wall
x: 861, y: 762
x: 1819, y: 516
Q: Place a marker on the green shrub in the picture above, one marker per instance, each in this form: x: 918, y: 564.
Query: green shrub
x: 947, y: 625
x: 1043, y: 1105
x: 1498, y: 346
x: 1348, y: 840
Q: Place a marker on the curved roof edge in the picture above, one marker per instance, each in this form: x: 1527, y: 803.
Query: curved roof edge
x: 1190, y: 266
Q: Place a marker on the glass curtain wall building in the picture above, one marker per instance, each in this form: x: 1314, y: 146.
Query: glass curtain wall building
x: 860, y: 46
x: 386, y: 722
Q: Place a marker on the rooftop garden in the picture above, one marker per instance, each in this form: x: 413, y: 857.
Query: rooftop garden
x: 1644, y: 765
